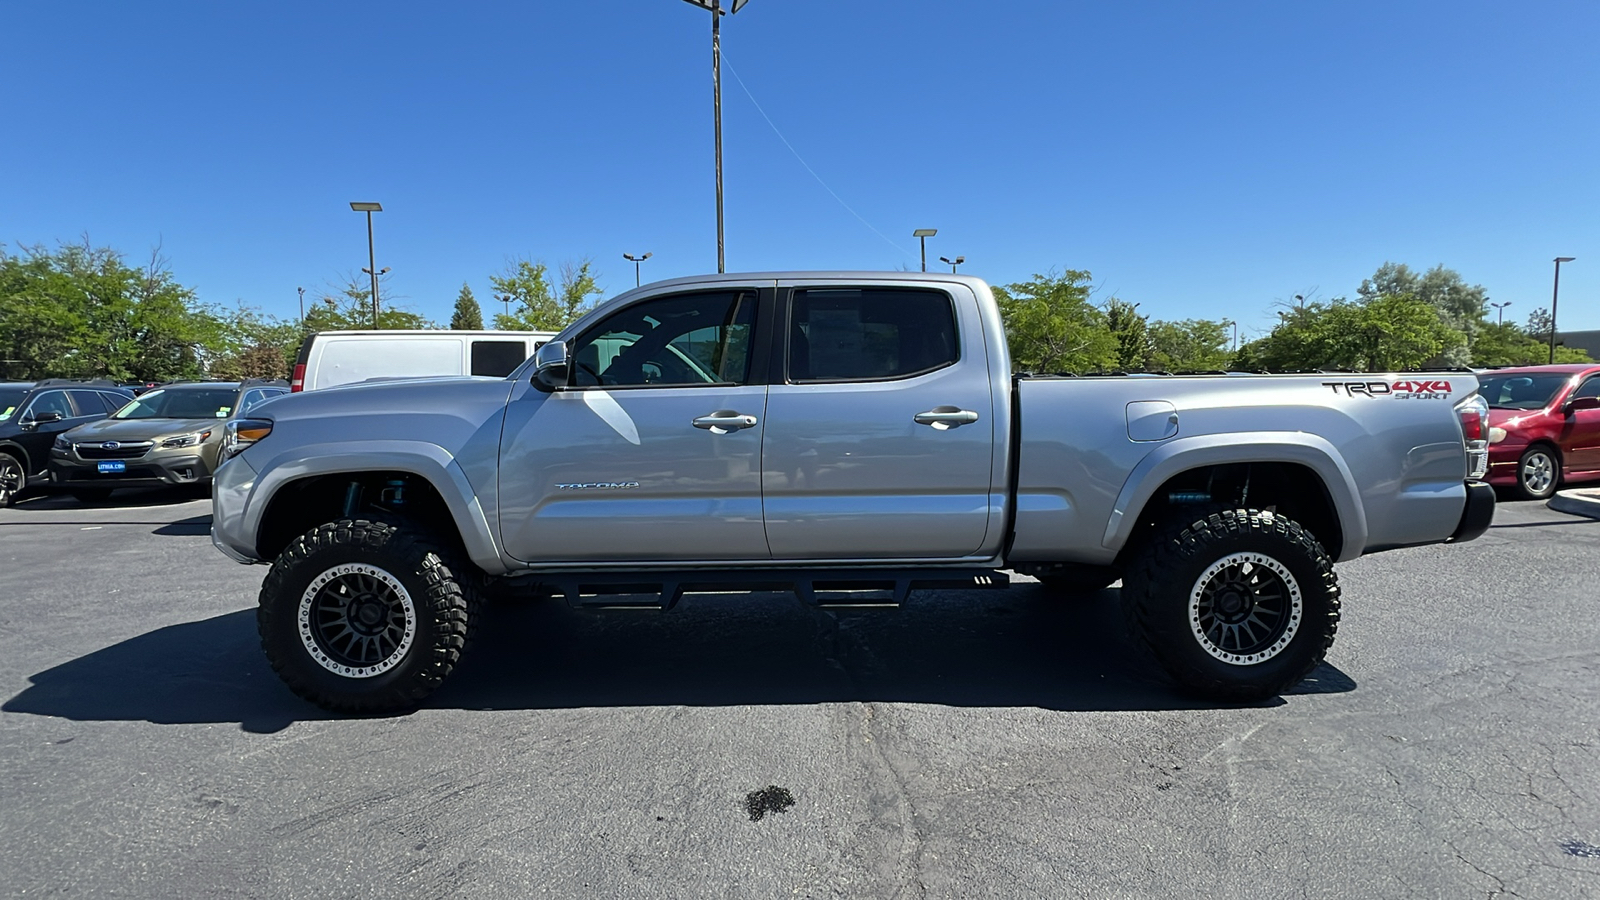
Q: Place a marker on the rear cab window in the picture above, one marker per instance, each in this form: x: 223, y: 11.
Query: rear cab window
x: 869, y: 334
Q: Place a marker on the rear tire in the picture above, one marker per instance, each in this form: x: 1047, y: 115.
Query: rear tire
x: 1538, y: 473
x: 1237, y: 606
x: 361, y: 615
x: 13, y: 478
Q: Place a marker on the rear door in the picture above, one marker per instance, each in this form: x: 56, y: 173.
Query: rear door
x: 653, y: 450
x: 1583, y: 431
x: 880, y: 433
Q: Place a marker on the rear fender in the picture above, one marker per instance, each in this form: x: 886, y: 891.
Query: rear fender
x: 1179, y: 456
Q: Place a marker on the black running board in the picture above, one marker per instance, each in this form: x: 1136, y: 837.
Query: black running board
x: 848, y: 588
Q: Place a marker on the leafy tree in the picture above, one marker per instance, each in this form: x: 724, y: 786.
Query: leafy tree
x: 1508, y: 345
x: 1383, y: 333
x: 1052, y: 327
x: 1131, y: 332
x: 468, y: 315
x: 541, y: 307
x: 348, y: 307
x: 1460, y: 306
x: 1539, y: 325
x: 1188, y: 346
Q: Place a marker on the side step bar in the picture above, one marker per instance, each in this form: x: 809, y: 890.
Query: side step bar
x: 847, y: 588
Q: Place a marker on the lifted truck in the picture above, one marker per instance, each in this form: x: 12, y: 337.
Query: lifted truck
x: 831, y: 433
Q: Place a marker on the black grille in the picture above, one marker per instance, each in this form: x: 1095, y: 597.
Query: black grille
x: 123, y: 451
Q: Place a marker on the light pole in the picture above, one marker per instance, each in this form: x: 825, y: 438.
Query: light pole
x: 369, y: 209
x: 922, y: 235
x: 1225, y: 324
x: 1501, y: 309
x: 1555, y: 294
x: 506, y: 299
x: 1300, y: 299
x: 636, y: 260
x: 717, y: 11
x: 952, y: 263
x: 302, y: 304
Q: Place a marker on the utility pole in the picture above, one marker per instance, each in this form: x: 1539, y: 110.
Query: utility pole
x: 1555, y: 294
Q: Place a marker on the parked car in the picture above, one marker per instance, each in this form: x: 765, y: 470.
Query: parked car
x: 835, y: 432
x: 1544, y: 427
x: 34, y: 414
x: 168, y: 435
x: 329, y: 358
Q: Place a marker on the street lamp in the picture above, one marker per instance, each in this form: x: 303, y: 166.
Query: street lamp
x: 717, y: 10
x: 506, y: 299
x: 1555, y: 294
x: 952, y: 263
x: 636, y: 260
x: 1500, y: 308
x: 369, y: 209
x: 1225, y: 324
x: 1300, y: 299
x: 922, y: 235
x: 302, y: 304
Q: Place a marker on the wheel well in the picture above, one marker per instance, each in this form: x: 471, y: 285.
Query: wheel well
x: 1550, y: 445
x: 302, y: 505
x: 17, y: 453
x: 1291, y: 489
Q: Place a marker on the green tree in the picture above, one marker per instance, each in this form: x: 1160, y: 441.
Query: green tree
x: 1193, y: 345
x: 1461, y: 306
x: 1132, y: 333
x: 468, y: 315
x: 1383, y: 333
x: 1052, y: 327
x: 1508, y: 345
x: 348, y: 307
x: 541, y: 306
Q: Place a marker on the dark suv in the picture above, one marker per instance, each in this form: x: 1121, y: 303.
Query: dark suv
x: 34, y: 414
x: 169, y: 435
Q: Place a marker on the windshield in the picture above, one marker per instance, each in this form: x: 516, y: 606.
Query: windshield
x: 1521, y: 391
x: 10, y: 399
x: 213, y: 403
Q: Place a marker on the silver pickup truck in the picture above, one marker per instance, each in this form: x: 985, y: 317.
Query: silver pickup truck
x: 848, y: 436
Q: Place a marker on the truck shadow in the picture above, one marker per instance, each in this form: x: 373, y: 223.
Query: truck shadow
x: 1023, y: 647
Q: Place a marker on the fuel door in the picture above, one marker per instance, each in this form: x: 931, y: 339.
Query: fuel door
x: 1152, y: 420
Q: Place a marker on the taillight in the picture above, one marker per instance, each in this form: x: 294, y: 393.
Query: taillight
x: 298, y: 382
x: 1474, y: 414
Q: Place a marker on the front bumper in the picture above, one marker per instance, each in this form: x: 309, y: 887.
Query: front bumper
x: 67, y: 471
x: 1477, y: 515
x: 230, y: 500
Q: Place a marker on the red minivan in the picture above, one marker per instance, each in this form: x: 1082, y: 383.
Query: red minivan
x: 1544, y: 426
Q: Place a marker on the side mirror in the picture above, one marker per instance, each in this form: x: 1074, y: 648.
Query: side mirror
x: 45, y: 418
x: 550, y: 366
x: 1578, y: 403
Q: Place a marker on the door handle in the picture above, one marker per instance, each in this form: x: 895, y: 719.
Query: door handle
x: 724, y: 421
x: 944, y: 418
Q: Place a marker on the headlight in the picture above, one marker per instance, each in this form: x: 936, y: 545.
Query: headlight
x: 62, y: 443
x: 240, y: 434
x: 1496, y: 434
x: 185, y: 440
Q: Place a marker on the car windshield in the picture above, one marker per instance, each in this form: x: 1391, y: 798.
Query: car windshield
x: 10, y: 399
x: 1521, y: 391
x: 191, y: 403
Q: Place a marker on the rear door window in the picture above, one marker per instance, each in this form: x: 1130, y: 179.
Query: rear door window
x: 869, y: 334
x: 497, y: 358
x: 88, y: 403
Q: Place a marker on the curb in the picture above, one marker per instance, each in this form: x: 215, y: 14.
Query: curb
x: 1584, y: 502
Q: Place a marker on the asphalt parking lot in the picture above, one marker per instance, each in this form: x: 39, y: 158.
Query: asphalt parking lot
x: 979, y: 744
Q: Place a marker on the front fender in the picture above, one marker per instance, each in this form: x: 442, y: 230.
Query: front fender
x: 428, y: 461
x: 1183, y: 454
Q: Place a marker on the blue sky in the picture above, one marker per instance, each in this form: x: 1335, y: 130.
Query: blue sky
x: 1205, y: 160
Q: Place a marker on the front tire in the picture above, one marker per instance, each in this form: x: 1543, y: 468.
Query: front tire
x: 1237, y: 606
x: 13, y: 478
x: 1538, y: 473
x: 365, y: 616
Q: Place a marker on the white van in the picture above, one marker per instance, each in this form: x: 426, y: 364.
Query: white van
x: 328, y: 358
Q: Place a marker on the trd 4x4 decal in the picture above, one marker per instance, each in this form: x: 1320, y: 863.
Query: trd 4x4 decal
x: 1399, y: 390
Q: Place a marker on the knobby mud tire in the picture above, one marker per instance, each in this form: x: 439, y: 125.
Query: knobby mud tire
x: 1157, y: 596
x: 441, y: 588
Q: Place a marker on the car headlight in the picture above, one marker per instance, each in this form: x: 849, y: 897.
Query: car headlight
x: 185, y: 440
x: 62, y: 443
x: 240, y: 434
x: 1496, y: 434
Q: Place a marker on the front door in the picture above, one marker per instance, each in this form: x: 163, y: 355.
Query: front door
x: 880, y: 438
x: 652, y: 452
x: 49, y: 414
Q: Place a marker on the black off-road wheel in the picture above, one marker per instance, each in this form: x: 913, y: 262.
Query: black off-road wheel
x: 366, y: 616
x: 13, y: 478
x: 1538, y: 473
x: 1238, y: 605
